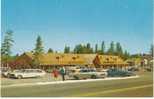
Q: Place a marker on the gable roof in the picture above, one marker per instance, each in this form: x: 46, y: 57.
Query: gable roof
x: 89, y: 58
x: 62, y: 59
x: 29, y: 54
x: 111, y: 60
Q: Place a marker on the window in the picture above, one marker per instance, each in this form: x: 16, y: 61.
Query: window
x: 73, y: 58
x: 84, y: 70
x: 57, y: 57
x: 107, y: 59
x: 39, y: 71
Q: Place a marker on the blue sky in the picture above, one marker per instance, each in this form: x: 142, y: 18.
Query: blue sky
x: 70, y: 22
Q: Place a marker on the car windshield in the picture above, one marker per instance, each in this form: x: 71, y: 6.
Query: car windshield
x: 92, y: 70
x: 87, y: 70
x: 84, y: 70
x: 39, y: 71
x: 28, y: 71
x: 17, y: 71
x: 4, y: 70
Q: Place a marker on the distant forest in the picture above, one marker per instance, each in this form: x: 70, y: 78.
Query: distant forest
x: 115, y: 48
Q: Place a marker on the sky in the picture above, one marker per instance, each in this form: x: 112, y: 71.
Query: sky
x: 70, y: 22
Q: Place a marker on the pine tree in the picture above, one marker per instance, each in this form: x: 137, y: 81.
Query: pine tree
x: 39, y: 46
x: 111, y: 50
x: 6, y: 47
x: 50, y: 50
x: 151, y: 50
x: 118, y: 50
x: 103, y: 48
x: 37, y: 51
x: 78, y: 49
x: 7, y: 44
x: 88, y: 46
x: 126, y: 55
x: 67, y: 49
x: 96, y: 48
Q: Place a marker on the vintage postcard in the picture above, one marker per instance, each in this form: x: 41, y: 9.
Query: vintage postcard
x: 77, y: 48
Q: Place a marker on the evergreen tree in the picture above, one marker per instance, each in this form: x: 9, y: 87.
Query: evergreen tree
x: 151, y: 50
x: 6, y: 47
x: 39, y: 46
x: 37, y: 51
x: 111, y: 50
x: 118, y: 50
x: 103, y: 48
x: 7, y: 44
x: 50, y: 50
x: 67, y: 49
x: 78, y: 49
x: 88, y: 46
x: 83, y: 49
x: 96, y: 48
x: 126, y: 55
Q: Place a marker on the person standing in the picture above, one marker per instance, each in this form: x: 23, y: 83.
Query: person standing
x: 63, y: 73
x: 55, y: 73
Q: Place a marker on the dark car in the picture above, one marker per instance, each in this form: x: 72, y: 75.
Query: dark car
x: 119, y: 73
x: 133, y: 69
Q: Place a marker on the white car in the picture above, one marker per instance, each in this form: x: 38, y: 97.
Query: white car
x: 87, y: 74
x: 104, y: 71
x: 5, y: 73
x: 27, y: 73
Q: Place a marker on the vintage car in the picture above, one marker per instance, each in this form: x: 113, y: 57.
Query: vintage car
x: 88, y: 74
x: 26, y: 73
x: 5, y: 73
x: 119, y: 73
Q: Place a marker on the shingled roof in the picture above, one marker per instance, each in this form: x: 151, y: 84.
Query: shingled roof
x: 66, y: 59
x: 111, y: 60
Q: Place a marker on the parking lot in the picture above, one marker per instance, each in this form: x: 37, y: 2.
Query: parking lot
x: 141, y: 86
x: 47, y: 78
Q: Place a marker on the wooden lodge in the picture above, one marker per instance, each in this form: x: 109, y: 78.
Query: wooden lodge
x: 49, y: 60
x: 109, y: 61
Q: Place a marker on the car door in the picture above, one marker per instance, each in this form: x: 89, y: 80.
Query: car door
x: 25, y: 73
x: 38, y: 73
x: 85, y: 74
x: 28, y: 73
x: 33, y: 73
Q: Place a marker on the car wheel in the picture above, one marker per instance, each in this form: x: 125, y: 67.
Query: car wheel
x: 104, y: 76
x: 8, y: 75
x: 19, y: 77
x: 93, y: 77
x: 77, y: 78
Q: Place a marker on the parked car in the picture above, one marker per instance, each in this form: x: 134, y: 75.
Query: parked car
x: 148, y: 69
x: 87, y: 73
x: 27, y: 73
x: 5, y: 73
x: 119, y: 73
x: 133, y: 69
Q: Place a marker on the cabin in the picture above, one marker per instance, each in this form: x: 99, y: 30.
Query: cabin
x: 49, y: 60
x: 134, y: 62
x: 109, y: 61
x: 23, y: 61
